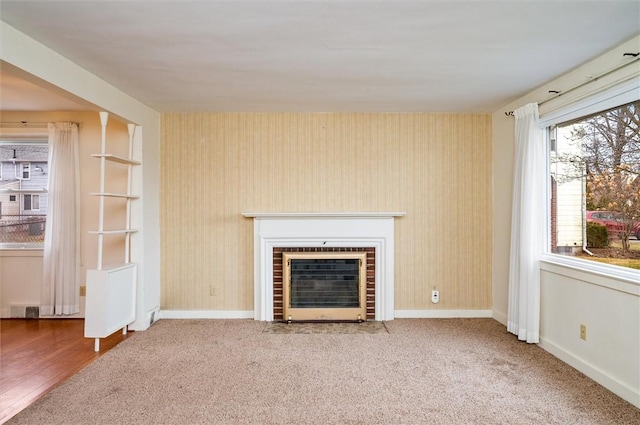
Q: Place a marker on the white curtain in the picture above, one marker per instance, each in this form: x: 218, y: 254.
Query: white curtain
x: 528, y: 216
x: 61, y: 265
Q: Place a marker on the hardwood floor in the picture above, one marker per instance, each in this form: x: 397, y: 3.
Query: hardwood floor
x: 38, y: 354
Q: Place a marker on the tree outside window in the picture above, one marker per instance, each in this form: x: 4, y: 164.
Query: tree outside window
x: 600, y: 154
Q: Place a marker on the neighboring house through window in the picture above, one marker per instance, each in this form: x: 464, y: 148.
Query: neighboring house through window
x: 23, y: 192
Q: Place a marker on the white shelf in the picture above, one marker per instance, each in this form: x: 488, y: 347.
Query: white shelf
x: 115, y: 195
x: 113, y: 232
x: 115, y: 158
x: 111, y: 292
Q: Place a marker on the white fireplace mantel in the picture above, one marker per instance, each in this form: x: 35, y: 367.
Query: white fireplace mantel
x: 326, y: 230
x: 294, y: 215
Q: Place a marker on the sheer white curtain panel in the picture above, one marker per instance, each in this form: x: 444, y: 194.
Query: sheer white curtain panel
x: 61, y: 262
x: 528, y: 218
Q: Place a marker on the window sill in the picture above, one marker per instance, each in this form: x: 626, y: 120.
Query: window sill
x: 21, y: 250
x: 612, y: 277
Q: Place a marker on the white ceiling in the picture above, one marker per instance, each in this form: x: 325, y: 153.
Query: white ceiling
x: 358, y: 55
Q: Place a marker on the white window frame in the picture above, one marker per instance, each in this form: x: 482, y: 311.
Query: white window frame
x: 22, y: 170
x: 33, y: 198
x: 621, y: 94
x: 8, y: 246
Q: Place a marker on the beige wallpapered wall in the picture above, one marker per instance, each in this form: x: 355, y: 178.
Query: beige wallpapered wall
x: 434, y: 167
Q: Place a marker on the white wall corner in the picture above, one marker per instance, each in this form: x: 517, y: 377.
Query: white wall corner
x: 144, y: 321
x: 500, y: 317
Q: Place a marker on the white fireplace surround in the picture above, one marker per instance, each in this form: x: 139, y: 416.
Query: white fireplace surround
x: 323, y: 230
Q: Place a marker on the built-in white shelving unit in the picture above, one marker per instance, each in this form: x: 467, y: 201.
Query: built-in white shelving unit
x: 111, y: 291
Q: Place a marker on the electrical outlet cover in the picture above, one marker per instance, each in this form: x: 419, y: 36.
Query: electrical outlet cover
x: 435, y: 296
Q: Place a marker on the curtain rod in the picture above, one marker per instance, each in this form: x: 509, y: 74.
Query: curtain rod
x: 27, y: 124
x: 23, y: 124
x: 557, y: 93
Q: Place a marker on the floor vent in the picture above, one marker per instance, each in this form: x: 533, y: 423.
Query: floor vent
x: 32, y: 312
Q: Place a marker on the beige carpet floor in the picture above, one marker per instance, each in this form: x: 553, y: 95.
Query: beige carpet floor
x: 371, y: 327
x: 431, y: 371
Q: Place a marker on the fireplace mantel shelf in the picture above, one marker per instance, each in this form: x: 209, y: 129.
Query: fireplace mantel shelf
x: 293, y: 215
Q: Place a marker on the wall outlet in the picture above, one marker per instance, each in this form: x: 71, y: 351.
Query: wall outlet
x: 212, y: 291
x: 583, y: 332
x: 435, y: 296
x: 83, y: 291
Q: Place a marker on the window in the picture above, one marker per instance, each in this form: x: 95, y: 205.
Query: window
x: 23, y: 195
x: 594, y: 164
x: 31, y: 202
x: 26, y: 171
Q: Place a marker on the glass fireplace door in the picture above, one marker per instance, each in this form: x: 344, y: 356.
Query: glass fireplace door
x: 324, y: 286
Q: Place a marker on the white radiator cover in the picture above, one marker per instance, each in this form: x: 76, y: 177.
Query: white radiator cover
x: 110, y: 300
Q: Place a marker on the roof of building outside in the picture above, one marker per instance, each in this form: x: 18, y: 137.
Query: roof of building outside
x: 24, y: 152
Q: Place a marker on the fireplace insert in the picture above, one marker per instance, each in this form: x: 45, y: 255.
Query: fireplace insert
x: 324, y: 286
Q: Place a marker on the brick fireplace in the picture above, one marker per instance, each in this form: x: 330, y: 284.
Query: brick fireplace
x: 276, y: 232
x: 370, y: 269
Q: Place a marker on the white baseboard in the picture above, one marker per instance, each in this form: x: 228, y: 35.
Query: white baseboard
x: 6, y: 314
x: 601, y: 377
x: 206, y: 314
x: 143, y: 323
x: 442, y: 314
x: 248, y: 314
x: 500, y: 317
